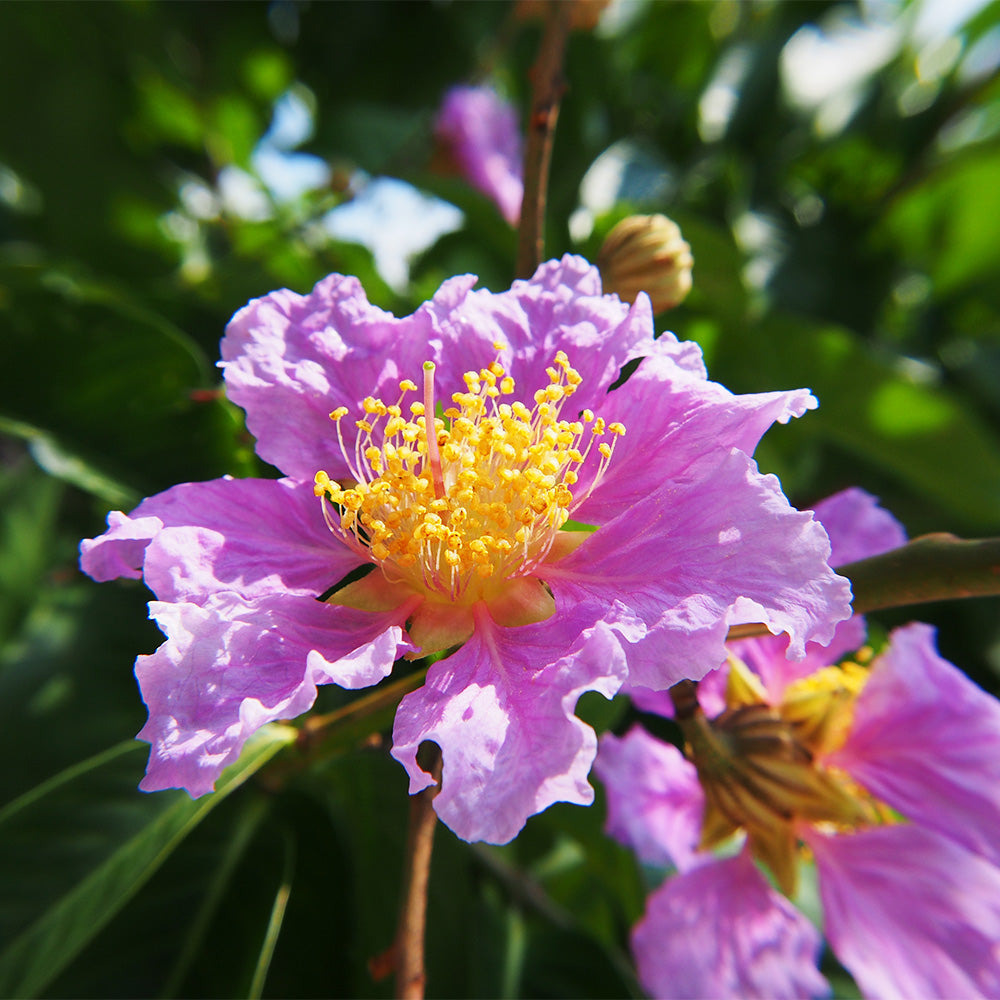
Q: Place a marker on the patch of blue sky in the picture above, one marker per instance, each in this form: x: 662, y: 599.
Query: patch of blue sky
x: 395, y: 221
x: 286, y: 174
x: 292, y: 120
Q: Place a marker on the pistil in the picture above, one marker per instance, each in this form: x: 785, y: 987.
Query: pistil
x: 433, y: 452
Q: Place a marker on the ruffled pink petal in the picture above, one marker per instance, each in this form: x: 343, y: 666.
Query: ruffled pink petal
x: 230, y: 666
x: 501, y: 710
x: 675, y: 419
x: 685, y: 563
x: 720, y: 931
x: 561, y: 308
x: 655, y: 802
x: 711, y: 693
x: 120, y: 551
x: 481, y: 131
x: 290, y: 359
x: 910, y: 913
x: 767, y: 656
x: 858, y: 527
x: 926, y: 740
x: 655, y: 702
x: 252, y: 536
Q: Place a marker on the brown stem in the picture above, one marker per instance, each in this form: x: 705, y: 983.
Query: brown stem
x: 386, y: 696
x: 409, y: 944
x: 547, y: 87
x: 684, y: 695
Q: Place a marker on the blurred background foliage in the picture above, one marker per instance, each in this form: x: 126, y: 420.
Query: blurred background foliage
x: 836, y: 170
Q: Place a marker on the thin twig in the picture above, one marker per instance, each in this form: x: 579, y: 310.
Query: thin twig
x: 547, y: 86
x: 409, y: 944
x: 361, y: 708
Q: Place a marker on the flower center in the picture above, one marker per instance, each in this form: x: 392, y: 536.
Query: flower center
x: 761, y: 765
x: 455, y: 505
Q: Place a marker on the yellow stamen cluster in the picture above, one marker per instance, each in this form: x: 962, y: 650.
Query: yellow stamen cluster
x: 820, y: 707
x: 483, y: 499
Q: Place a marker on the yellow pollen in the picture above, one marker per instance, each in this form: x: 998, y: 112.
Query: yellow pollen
x: 820, y: 706
x: 456, y: 506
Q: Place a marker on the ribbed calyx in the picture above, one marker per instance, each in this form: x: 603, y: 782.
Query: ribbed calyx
x: 761, y: 765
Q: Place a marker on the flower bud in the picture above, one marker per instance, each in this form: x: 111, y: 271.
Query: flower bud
x: 646, y: 253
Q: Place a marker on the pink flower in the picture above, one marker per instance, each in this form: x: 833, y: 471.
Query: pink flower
x: 480, y: 131
x: 858, y: 528
x: 464, y: 534
x: 911, y: 905
x: 721, y: 931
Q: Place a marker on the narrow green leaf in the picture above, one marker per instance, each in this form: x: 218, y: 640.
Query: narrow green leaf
x: 274, y: 924
x: 34, y: 958
x: 245, y: 828
x: 61, y: 463
x: 57, y: 780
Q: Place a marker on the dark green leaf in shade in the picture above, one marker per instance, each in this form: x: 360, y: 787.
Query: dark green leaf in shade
x: 92, y: 376
x: 41, y: 951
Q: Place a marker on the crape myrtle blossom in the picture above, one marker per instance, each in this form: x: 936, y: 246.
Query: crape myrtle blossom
x: 858, y: 528
x: 465, y: 534
x: 479, y: 131
x: 888, y: 775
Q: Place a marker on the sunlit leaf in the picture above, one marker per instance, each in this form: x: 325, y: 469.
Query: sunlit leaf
x: 943, y: 224
x: 876, y: 410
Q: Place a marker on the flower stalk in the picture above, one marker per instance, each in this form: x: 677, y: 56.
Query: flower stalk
x: 548, y: 87
x: 933, y: 567
x: 409, y: 944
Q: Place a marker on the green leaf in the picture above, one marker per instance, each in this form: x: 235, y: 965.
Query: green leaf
x: 267, y: 73
x: 243, y: 832
x: 275, y: 922
x: 29, y: 505
x: 94, y: 379
x: 875, y: 409
x: 50, y: 785
x: 52, y: 456
x: 945, y: 224
x: 37, y: 955
x: 236, y: 130
x: 167, y: 112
